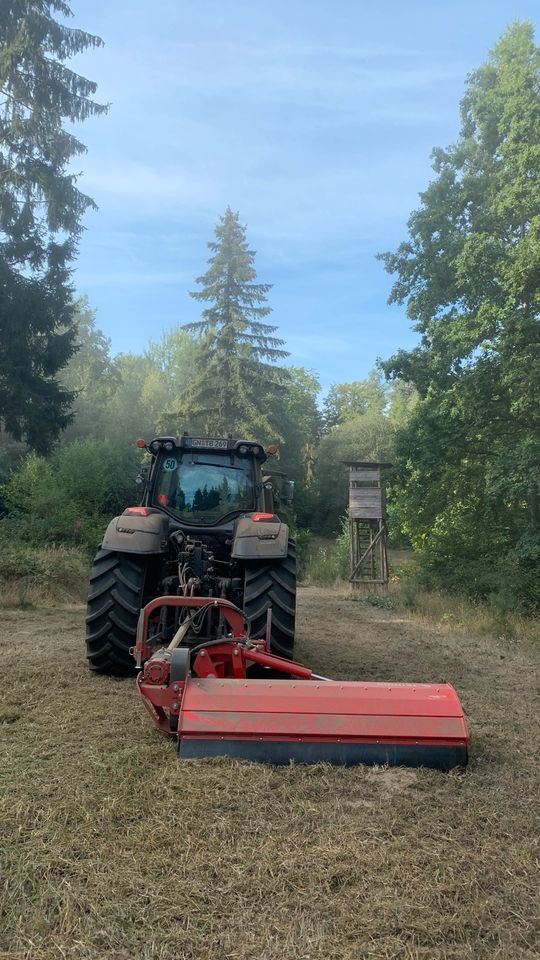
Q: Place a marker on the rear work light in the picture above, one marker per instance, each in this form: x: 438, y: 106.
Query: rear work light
x: 138, y: 511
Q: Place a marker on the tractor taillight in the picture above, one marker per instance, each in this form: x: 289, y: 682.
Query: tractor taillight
x: 262, y: 516
x: 138, y: 511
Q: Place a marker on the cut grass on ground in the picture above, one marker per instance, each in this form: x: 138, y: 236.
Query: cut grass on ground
x: 115, y: 849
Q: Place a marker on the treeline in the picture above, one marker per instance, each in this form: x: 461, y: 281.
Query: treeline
x: 459, y: 415
x: 89, y: 474
x: 224, y: 374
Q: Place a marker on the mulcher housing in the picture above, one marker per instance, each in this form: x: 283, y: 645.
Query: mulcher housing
x: 205, y: 699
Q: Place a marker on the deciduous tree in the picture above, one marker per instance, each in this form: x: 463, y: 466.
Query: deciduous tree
x: 91, y: 375
x: 344, y: 401
x: 470, y: 275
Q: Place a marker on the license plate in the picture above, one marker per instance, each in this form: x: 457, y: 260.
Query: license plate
x: 210, y: 443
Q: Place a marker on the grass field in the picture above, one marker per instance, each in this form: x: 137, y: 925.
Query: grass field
x: 114, y: 849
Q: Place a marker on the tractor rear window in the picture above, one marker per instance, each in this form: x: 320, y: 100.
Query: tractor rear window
x: 202, y: 487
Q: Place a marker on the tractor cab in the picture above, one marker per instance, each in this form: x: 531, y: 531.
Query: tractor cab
x: 203, y: 486
x: 205, y: 481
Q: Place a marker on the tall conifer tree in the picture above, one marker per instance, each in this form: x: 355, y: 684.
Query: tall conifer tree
x: 40, y: 211
x: 235, y: 375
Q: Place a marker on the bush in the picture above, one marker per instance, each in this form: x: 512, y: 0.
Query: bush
x: 509, y: 582
x: 303, y: 540
x: 69, y: 498
x: 330, y: 563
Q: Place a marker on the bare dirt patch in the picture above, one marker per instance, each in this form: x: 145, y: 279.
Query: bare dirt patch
x: 114, y: 849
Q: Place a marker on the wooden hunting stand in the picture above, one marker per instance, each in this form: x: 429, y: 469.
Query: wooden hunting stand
x: 367, y: 525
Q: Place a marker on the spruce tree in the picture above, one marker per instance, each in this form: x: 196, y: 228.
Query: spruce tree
x: 40, y: 212
x: 235, y: 375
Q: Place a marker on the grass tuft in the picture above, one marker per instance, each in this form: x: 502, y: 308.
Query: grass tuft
x: 37, y: 576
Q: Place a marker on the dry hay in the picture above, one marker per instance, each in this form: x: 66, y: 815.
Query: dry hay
x: 114, y: 849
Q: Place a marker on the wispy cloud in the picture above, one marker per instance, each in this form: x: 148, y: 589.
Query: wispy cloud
x: 128, y: 278
x: 315, y: 122
x: 149, y: 185
x: 311, y: 345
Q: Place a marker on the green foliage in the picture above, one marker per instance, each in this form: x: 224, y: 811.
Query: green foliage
x: 329, y: 563
x: 346, y: 401
x: 129, y: 395
x: 173, y: 359
x: 91, y: 375
x: 295, y: 410
x: 234, y: 378
x: 40, y: 212
x: 71, y: 497
x: 303, y: 542
x: 360, y: 421
x: 469, y: 457
x: 138, y: 401
x: 402, y: 399
x: 366, y: 437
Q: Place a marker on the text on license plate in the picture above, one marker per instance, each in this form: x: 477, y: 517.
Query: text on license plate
x: 212, y: 443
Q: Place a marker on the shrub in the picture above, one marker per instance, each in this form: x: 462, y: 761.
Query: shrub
x: 69, y: 498
x: 303, y: 540
x: 331, y: 563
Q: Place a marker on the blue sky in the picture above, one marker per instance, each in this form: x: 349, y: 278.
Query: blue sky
x: 315, y: 120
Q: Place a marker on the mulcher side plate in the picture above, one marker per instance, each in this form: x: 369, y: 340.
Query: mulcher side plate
x: 335, y: 722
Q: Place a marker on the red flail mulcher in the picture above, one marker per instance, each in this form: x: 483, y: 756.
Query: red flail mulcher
x: 233, y: 697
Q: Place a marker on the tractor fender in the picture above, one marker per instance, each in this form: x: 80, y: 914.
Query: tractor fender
x: 130, y: 533
x: 260, y: 539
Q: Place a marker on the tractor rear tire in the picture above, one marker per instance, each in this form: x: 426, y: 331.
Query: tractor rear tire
x: 272, y: 585
x: 114, y: 600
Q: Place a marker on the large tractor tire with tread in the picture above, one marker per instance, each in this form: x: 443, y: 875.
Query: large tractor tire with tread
x: 114, y: 600
x: 272, y: 585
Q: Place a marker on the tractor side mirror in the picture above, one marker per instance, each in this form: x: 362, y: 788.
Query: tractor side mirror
x: 142, y: 476
x: 277, y: 488
x: 287, y: 491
